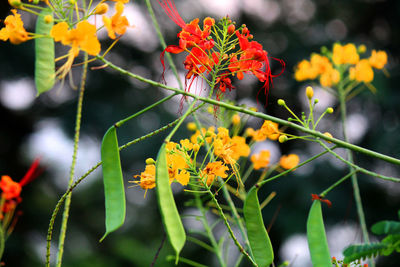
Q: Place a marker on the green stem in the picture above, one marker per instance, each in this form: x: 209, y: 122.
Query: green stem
x: 344, y: 178
x: 64, y: 222
x: 221, y: 212
x: 318, y: 134
x: 181, y: 119
x: 289, y: 170
x: 121, y: 122
x: 358, y: 168
x: 207, y: 228
x: 356, y: 189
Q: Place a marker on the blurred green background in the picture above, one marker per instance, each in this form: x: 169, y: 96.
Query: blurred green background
x: 288, y: 29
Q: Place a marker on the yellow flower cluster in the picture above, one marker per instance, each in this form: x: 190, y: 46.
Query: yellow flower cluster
x: 224, y: 153
x: 82, y: 37
x: 331, y: 67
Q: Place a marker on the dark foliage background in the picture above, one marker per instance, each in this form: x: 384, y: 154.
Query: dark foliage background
x: 291, y: 30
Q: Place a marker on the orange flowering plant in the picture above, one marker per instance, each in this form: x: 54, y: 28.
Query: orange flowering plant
x: 10, y: 198
x: 224, y: 162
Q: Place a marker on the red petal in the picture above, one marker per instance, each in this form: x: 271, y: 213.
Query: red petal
x: 31, y: 174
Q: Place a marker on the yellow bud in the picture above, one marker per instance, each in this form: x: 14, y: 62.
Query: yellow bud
x: 253, y: 109
x: 329, y: 110
x: 210, y: 110
x: 150, y: 161
x: 191, y: 126
x: 208, y: 134
x: 362, y: 49
x: 15, y: 3
x: 101, y: 9
x: 309, y: 92
x: 235, y: 119
x: 328, y: 135
x: 72, y: 2
x: 281, y: 102
x: 249, y: 131
x: 282, y: 138
x: 48, y: 19
x: 196, y: 147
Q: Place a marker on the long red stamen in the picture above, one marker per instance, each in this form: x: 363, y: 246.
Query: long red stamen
x: 32, y: 173
x: 174, y: 49
x: 170, y: 8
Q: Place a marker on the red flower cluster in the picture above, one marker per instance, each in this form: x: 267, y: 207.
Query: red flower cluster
x: 205, y: 56
x: 11, y: 190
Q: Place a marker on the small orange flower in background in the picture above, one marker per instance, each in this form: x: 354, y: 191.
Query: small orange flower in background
x: 10, y: 196
x: 214, y: 169
x: 362, y: 72
x: 378, y: 59
x: 260, y: 160
x: 289, y: 161
x: 117, y: 23
x: 13, y: 29
x: 10, y: 188
x: 346, y: 54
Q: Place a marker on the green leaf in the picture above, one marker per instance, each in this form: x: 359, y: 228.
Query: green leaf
x: 317, y: 242
x: 169, y: 213
x: 260, y: 243
x: 358, y: 252
x: 113, y: 182
x: 44, y: 54
x: 386, y: 227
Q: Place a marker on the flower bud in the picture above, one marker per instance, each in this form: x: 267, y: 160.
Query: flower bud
x: 362, y: 49
x: 48, y: 19
x: 249, y: 131
x: 101, y: 9
x: 253, y: 109
x: 282, y: 138
x: 309, y: 92
x: 328, y: 135
x: 329, y: 110
x: 35, y: 2
x: 281, y: 102
x: 208, y: 134
x: 231, y: 29
x: 196, y: 147
x: 150, y: 161
x: 191, y: 126
x: 316, y: 101
x: 235, y: 119
x: 15, y: 3
x: 72, y: 2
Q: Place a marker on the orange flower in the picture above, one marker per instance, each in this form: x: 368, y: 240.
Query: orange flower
x: 117, y: 23
x: 260, y: 160
x: 147, y: 178
x: 346, y: 54
x: 10, y: 188
x: 214, y: 169
x: 362, y: 72
x: 177, y: 162
x: 378, y: 59
x: 14, y: 29
x: 83, y: 37
x: 289, y: 161
x: 270, y: 129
